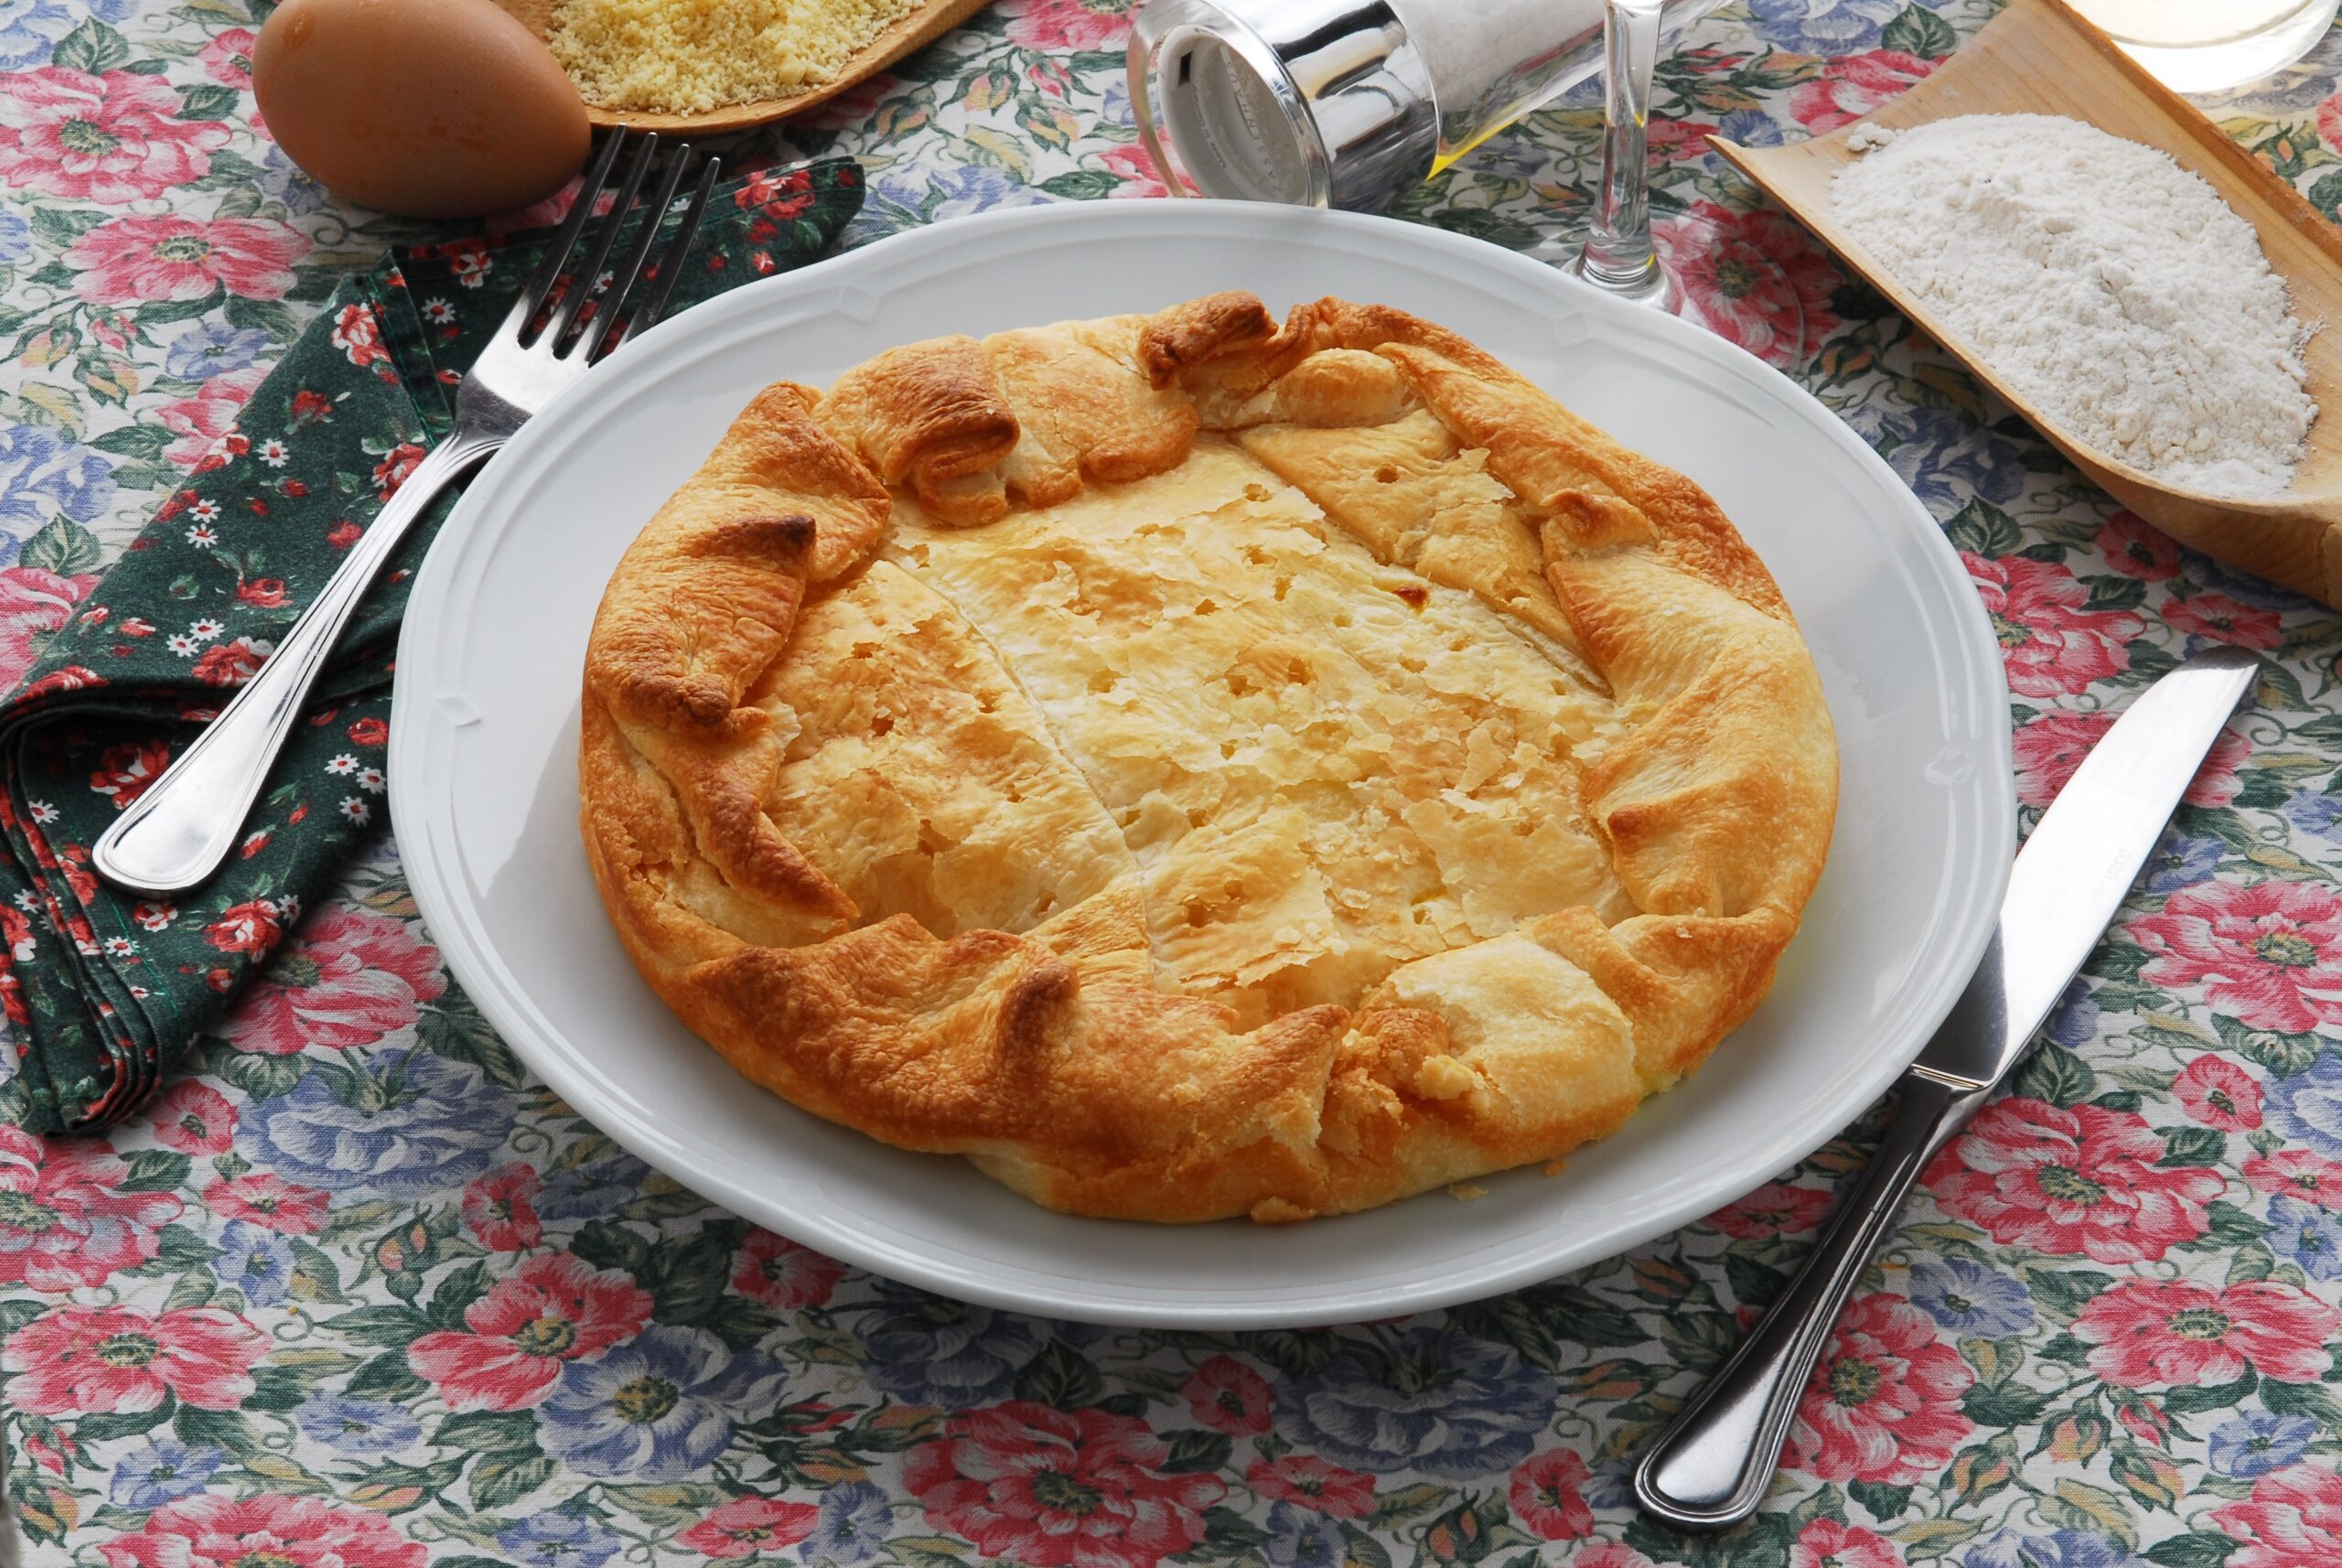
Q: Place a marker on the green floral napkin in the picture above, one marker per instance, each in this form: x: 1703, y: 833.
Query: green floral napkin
x: 103, y: 991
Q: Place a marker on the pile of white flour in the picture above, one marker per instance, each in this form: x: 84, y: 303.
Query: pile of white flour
x: 2110, y: 287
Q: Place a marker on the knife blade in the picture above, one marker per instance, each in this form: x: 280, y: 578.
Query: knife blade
x: 1714, y: 1464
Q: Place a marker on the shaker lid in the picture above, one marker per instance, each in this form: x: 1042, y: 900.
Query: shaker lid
x: 1313, y: 103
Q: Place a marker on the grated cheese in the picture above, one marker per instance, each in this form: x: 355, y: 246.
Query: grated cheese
x: 688, y: 57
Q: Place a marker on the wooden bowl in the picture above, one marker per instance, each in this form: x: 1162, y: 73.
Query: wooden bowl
x: 2039, y: 57
x: 914, y: 31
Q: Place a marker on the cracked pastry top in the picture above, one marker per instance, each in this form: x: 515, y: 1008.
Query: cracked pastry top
x: 1194, y: 766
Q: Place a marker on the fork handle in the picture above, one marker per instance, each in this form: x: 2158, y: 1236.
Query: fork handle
x: 177, y: 834
x: 1715, y: 1463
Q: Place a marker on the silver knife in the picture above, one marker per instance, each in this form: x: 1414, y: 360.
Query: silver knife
x: 1715, y: 1463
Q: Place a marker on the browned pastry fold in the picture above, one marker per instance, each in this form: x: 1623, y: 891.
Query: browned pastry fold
x: 1195, y: 765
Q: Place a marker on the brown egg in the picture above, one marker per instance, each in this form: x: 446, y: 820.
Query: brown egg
x: 429, y: 108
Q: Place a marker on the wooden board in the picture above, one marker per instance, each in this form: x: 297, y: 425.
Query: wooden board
x: 2039, y: 57
x: 914, y: 31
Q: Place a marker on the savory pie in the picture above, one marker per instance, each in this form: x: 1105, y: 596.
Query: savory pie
x: 1195, y: 765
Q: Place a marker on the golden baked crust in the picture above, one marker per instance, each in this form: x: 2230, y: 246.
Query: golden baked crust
x: 1196, y: 766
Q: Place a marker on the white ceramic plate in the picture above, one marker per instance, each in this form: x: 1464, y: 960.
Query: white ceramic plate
x: 483, y: 780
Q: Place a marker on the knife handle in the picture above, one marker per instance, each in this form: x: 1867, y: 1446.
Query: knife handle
x: 1715, y: 1463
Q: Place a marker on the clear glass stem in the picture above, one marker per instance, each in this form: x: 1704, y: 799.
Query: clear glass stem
x: 1618, y: 252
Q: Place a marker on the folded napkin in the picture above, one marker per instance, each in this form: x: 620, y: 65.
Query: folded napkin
x: 104, y: 991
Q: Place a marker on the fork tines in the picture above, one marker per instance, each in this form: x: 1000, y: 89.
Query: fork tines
x: 615, y: 297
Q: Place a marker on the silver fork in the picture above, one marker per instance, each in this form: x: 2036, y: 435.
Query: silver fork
x: 178, y: 832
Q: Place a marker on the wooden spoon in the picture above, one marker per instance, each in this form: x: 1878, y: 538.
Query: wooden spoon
x: 914, y: 31
x: 2039, y: 57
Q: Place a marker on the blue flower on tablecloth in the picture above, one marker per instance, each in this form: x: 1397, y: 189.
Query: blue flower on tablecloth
x: 2243, y: 586
x: 855, y: 1521
x: 16, y: 239
x: 2307, y: 1106
x: 1822, y: 26
x: 1971, y: 1299
x: 163, y: 1472
x: 594, y: 1188
x: 287, y: 182
x: 44, y: 477
x: 2182, y: 860
x: 564, y: 1538
x: 2297, y: 90
x: 212, y: 348
x: 2308, y: 1235
x: 2058, y: 1549
x: 357, y: 1425
x: 1114, y: 107
x: 2260, y: 1441
x: 2317, y: 812
x: 931, y: 1350
x: 2073, y: 1023
x: 29, y: 30
x: 1751, y: 128
x: 658, y: 1408
x: 924, y: 191
x: 1419, y: 1399
x: 1303, y: 1538
x: 400, y: 1123
x: 255, y: 1260
x: 1946, y: 460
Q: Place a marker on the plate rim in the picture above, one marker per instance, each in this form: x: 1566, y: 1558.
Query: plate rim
x: 432, y: 862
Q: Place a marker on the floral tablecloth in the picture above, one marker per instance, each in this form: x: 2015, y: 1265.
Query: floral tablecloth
x: 240, y: 1332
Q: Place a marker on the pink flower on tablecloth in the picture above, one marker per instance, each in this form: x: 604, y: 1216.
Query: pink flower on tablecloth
x: 105, y: 139
x: 1133, y: 170
x: 2051, y: 746
x: 228, y: 58
x: 252, y: 926
x: 557, y: 1308
x: 2051, y: 645
x: 138, y: 257
x: 1777, y: 1208
x: 212, y: 1530
x: 1883, y: 1402
x: 202, y: 419
x: 1054, y: 24
x: 269, y: 1201
x: 1056, y: 1489
x: 2083, y: 1181
x: 2297, y: 1174
x: 1306, y: 1481
x: 232, y: 664
x: 2294, y: 1518
x: 1850, y: 88
x: 2267, y: 954
x: 2152, y: 1333
x: 501, y: 1209
x: 348, y: 978
x: 1227, y: 1396
x: 1680, y: 141
x: 2216, y: 1092
x: 73, y: 678
x: 1610, y: 1555
x: 2136, y: 548
x: 777, y: 1272
x: 125, y: 772
x: 1548, y: 1496
x: 1755, y: 279
x: 34, y: 605
x: 195, y: 1119
x: 64, y: 1221
x: 1826, y: 1542
x: 2220, y: 619
x: 82, y: 1359
x: 746, y: 1526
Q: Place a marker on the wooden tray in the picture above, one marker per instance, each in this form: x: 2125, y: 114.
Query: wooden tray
x: 2037, y: 57
x: 916, y: 31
